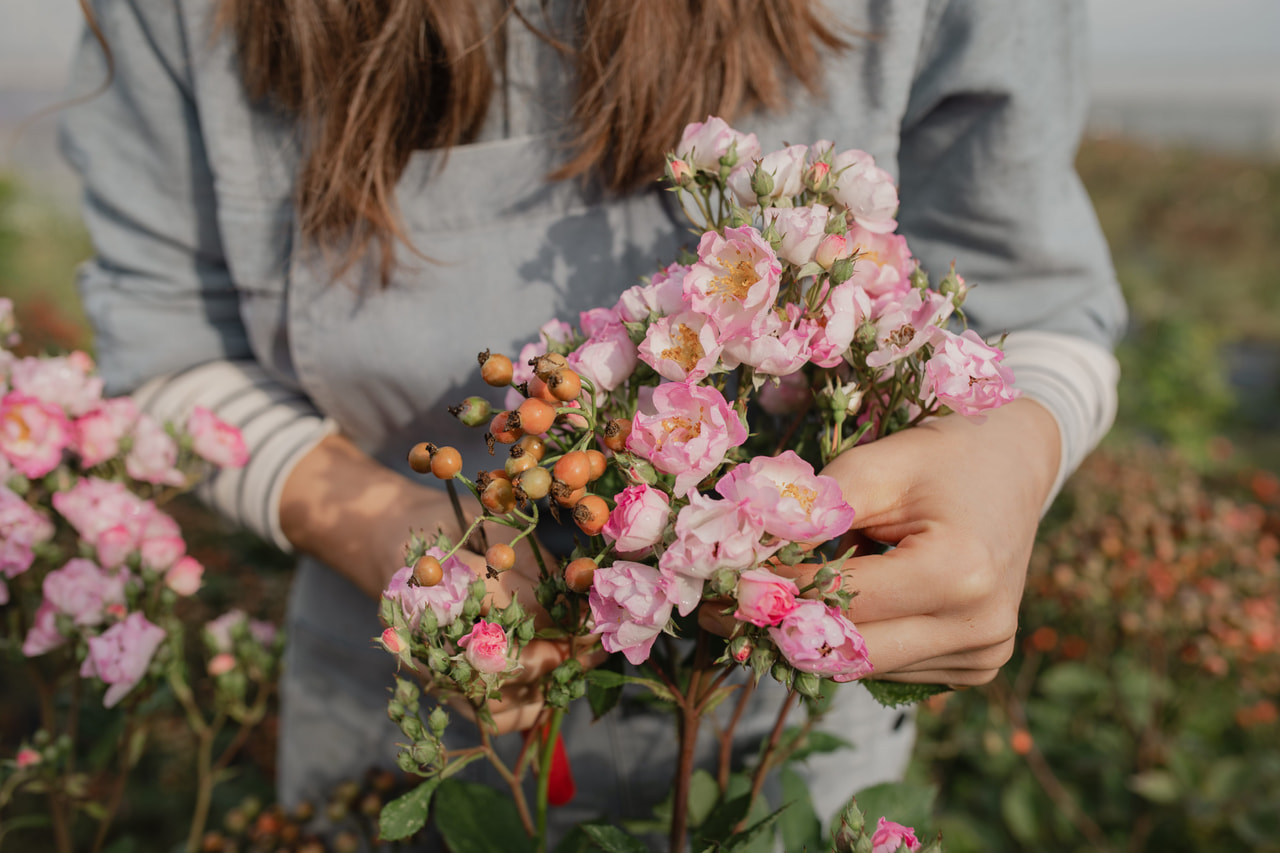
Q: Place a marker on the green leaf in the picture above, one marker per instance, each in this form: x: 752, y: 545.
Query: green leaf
x: 742, y: 840
x: 1071, y: 680
x: 893, y: 694
x: 1156, y: 785
x: 800, y: 826
x: 817, y: 742
x: 704, y: 791
x: 474, y: 818
x: 458, y: 763
x: 1017, y: 806
x: 611, y: 839
x: 406, y: 814
x: 602, y: 696
x: 905, y: 802
x: 725, y: 817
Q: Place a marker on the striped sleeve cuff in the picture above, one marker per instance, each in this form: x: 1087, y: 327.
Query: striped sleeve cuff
x: 1075, y: 379
x: 279, y: 426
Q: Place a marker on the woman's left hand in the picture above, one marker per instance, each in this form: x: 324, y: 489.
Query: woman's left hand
x: 961, y: 501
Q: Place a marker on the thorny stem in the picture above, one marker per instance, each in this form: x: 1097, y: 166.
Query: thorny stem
x: 689, y: 719
x: 766, y: 760
x: 726, y: 736
x: 544, y: 774
x: 512, y: 780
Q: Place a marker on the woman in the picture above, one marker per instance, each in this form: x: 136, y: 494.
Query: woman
x: 311, y: 216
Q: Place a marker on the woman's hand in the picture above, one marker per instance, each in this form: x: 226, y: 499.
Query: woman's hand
x: 961, y: 501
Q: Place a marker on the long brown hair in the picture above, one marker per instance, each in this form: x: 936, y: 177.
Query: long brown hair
x: 645, y: 68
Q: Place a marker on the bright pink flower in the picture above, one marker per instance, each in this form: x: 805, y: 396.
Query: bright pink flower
x: 445, y: 598
x: 221, y: 664
x: 711, y: 535
x: 215, y: 440
x: 784, y: 395
x: 965, y: 373
x: 735, y: 280
x: 121, y: 655
x: 638, y: 519
x: 663, y: 295
x: 154, y: 454
x: 184, y: 576
x: 704, y: 143
x: 789, y: 499
x: 63, y: 381
x: 889, y: 837
x: 765, y: 599
x: 607, y: 358
x: 485, y: 647
x: 786, y: 168
x: 689, y: 435
x: 682, y: 347
x: 846, y: 308
x: 630, y: 607
x: 21, y: 528
x: 27, y: 757
x: 802, y: 230
x: 818, y: 638
x: 83, y: 591
x: 866, y: 190
x: 775, y: 348
x: 884, y: 264
x: 33, y: 433
x: 905, y: 325
x: 98, y: 433
x: 43, y: 635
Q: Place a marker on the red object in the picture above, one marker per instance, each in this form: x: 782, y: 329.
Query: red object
x: 560, y: 784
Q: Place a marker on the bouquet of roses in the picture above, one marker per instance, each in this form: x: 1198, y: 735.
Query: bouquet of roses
x: 91, y: 570
x: 680, y: 430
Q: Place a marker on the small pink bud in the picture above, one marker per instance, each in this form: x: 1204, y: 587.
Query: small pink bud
x: 391, y: 641
x: 834, y: 247
x: 116, y: 611
x: 28, y: 757
x: 818, y: 177
x: 184, y: 576
x: 680, y: 173
x: 221, y: 664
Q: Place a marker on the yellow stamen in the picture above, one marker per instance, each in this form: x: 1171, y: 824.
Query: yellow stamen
x: 736, y: 282
x: 687, y: 349
x: 805, y: 497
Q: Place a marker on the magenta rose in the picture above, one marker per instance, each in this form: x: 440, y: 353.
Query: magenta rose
x: 965, y: 373
x: 215, y: 440
x: 818, y: 638
x: 711, y: 535
x: 121, y: 655
x: 765, y: 599
x: 735, y: 280
x: 689, y: 433
x: 445, y: 598
x: 889, y: 837
x: 630, y: 607
x: 682, y: 347
x: 33, y: 433
x: 485, y: 647
x: 789, y: 499
x: 638, y: 519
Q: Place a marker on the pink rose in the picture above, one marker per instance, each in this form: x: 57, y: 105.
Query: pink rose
x: 785, y: 167
x: 33, y: 433
x: 704, y: 143
x: 965, y: 373
x: 819, y: 639
x: 43, y: 635
x: 765, y: 599
x: 21, y: 528
x: 221, y: 664
x: 184, y: 576
x: 83, y: 591
x: 832, y: 248
x: 27, y: 757
x: 663, y: 295
x: 63, y: 381
x: 93, y: 505
x: 215, y: 440
x: 114, y: 545
x: 905, y: 325
x: 608, y: 358
x: 889, y: 837
x: 682, y: 347
x: 789, y: 499
x: 98, y: 433
x: 485, y: 647
x: 160, y: 550
x: 596, y: 319
x: 846, y: 308
x: 711, y: 535
x: 630, y: 607
x: 121, y: 655
x: 153, y: 455
x: 866, y: 190
x: 219, y: 633
x: 445, y: 598
x: 774, y: 348
x: 735, y: 280
x: 802, y: 230
x: 689, y: 435
x: 884, y: 263
x: 638, y: 519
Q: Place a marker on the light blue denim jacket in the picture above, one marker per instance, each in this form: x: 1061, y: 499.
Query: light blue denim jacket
x: 976, y: 106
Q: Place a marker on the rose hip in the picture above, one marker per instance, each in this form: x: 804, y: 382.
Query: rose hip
x: 500, y: 557
x: 590, y: 514
x: 446, y: 463
x: 573, y: 469
x: 427, y: 571
x: 495, y: 369
x: 536, y: 417
x: 579, y: 574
